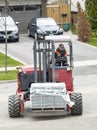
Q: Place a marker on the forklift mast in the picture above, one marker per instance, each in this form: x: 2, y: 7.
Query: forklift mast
x: 44, y: 57
x: 43, y: 54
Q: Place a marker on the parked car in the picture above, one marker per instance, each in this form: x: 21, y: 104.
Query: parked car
x: 45, y: 26
x: 10, y: 26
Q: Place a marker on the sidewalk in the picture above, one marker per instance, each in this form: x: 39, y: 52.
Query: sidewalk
x: 8, y: 68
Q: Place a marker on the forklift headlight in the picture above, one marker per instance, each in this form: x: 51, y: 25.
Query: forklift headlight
x: 69, y: 68
x: 19, y: 69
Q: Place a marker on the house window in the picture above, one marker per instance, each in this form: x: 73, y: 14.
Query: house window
x: 32, y: 7
x: 16, y: 8
x: 65, y: 1
x: 55, y: 2
x: 24, y: 7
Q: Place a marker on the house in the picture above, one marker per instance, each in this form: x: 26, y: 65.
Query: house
x: 74, y: 4
x: 60, y: 10
x: 71, y: 12
x: 22, y: 11
x: 74, y: 9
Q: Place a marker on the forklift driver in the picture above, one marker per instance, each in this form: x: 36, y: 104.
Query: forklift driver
x: 61, y: 56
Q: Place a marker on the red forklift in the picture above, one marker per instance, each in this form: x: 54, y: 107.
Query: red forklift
x: 48, y: 88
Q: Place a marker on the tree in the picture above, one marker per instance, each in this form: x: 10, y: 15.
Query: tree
x: 91, y: 10
x: 83, y: 27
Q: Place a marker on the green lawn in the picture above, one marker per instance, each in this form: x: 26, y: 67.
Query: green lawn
x: 10, y: 75
x: 10, y: 62
x: 93, y: 42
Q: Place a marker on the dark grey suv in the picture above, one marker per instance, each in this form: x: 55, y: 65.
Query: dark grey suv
x: 45, y: 26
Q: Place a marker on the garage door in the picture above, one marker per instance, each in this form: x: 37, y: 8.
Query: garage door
x: 23, y: 17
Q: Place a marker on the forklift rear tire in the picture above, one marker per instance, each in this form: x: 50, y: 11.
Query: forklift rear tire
x: 77, y: 108
x: 14, y: 106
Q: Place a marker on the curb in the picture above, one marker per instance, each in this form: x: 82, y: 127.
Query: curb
x: 7, y: 81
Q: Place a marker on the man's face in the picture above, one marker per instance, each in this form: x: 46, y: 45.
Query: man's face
x: 61, y: 48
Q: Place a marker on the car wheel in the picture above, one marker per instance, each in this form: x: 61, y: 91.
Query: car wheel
x: 29, y: 33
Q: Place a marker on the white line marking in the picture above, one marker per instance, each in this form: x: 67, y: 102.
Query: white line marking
x: 85, y: 63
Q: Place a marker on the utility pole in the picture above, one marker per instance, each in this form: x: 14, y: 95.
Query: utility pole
x: 6, y: 13
x: 44, y: 13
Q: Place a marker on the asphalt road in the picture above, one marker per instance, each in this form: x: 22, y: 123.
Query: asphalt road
x: 85, y: 56
x: 85, y: 81
x: 87, y: 85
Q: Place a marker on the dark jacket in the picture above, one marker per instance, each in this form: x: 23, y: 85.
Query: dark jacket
x: 61, y: 57
x: 60, y: 53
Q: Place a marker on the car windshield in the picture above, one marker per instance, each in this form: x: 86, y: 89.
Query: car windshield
x: 9, y: 21
x: 46, y: 22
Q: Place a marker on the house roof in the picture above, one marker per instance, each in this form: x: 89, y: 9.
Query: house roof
x: 20, y: 2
